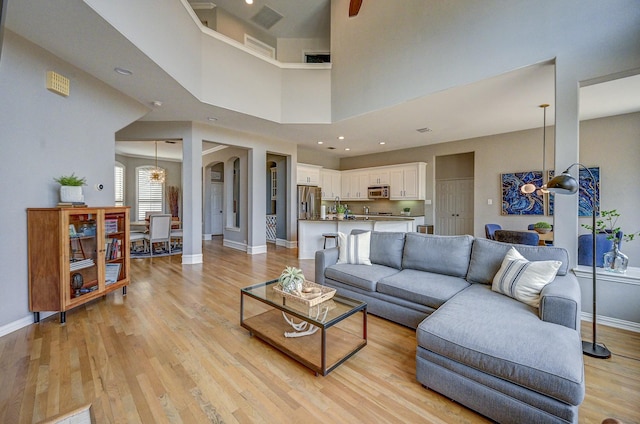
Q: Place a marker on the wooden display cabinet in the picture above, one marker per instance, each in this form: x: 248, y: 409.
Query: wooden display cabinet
x: 76, y: 255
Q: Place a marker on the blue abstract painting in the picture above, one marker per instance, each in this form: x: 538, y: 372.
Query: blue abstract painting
x: 514, y: 202
x: 588, y: 191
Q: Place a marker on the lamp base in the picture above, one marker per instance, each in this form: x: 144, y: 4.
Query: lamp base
x: 595, y: 350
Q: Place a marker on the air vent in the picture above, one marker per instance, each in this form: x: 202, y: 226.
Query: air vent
x: 424, y: 130
x: 266, y: 17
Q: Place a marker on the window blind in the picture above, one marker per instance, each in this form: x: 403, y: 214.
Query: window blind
x: 150, y: 194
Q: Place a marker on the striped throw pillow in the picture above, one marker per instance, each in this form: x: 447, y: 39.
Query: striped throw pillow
x: 354, y: 248
x: 524, y: 280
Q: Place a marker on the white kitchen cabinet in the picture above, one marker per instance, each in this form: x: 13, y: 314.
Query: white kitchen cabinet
x: 379, y: 176
x: 408, y: 182
x: 355, y: 185
x: 331, y: 184
x: 308, y: 174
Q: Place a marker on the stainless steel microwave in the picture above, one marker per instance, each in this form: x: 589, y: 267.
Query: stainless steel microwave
x: 378, y: 192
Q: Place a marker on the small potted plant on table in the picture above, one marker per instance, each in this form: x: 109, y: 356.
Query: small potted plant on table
x: 542, y: 227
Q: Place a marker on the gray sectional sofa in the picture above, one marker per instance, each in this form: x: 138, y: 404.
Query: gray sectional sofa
x: 505, y: 359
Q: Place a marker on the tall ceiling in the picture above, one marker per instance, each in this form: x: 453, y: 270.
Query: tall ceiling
x: 501, y: 104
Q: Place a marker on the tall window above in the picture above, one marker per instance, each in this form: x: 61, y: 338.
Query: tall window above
x: 118, y: 174
x: 149, y: 195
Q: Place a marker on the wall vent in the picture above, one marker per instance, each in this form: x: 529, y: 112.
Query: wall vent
x: 266, y: 17
x: 259, y: 47
x: 57, y: 83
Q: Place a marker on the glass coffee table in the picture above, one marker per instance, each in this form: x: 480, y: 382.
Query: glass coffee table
x: 320, y: 337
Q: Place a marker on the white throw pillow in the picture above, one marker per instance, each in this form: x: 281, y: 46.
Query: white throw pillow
x: 523, y: 280
x: 354, y: 248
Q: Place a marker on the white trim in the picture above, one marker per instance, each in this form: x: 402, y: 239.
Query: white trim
x: 632, y: 276
x: 256, y: 250
x: 192, y: 259
x: 206, y: 236
x: 16, y: 325
x: 286, y: 243
x: 612, y: 322
x: 234, y: 245
x: 202, y: 5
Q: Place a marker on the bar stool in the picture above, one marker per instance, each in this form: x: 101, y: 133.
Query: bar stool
x: 333, y: 236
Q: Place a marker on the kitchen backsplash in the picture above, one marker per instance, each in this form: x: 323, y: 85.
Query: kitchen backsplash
x: 382, y: 205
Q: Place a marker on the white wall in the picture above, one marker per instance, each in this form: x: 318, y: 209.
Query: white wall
x: 389, y: 54
x: 44, y: 136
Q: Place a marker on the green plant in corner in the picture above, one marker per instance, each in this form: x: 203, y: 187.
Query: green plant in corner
x: 71, y: 180
x: 407, y: 209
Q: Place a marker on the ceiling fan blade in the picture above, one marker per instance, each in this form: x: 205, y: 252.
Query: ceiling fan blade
x: 354, y: 7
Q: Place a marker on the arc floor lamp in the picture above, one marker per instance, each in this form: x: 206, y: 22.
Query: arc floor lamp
x: 566, y: 184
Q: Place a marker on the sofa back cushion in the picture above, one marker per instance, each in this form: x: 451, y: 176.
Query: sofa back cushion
x: 487, y: 256
x: 448, y: 255
x: 386, y: 248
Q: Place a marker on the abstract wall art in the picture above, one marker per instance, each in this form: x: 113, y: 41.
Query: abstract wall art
x: 514, y: 202
x: 589, y: 189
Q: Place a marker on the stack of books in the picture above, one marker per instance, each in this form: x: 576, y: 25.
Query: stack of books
x: 79, y: 264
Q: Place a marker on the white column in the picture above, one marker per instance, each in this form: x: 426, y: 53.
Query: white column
x: 257, y: 206
x: 567, y: 152
x: 191, y: 200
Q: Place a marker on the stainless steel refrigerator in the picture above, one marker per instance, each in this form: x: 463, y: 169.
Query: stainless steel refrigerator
x: 309, y: 202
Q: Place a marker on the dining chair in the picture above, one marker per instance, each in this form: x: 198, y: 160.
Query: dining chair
x: 490, y: 229
x: 517, y: 237
x: 159, y: 231
x: 135, y: 237
x: 603, y: 245
x: 176, y: 235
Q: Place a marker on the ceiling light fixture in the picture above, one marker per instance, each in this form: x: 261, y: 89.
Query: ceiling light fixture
x: 530, y: 188
x: 212, y: 119
x: 249, y: 1
x: 156, y: 103
x: 320, y: 142
x: 424, y: 130
x: 156, y: 175
x: 382, y: 142
x: 340, y: 137
x: 347, y: 149
x: 123, y: 71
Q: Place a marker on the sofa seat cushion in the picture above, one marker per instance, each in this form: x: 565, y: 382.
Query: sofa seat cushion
x: 505, y: 338
x: 425, y: 288
x: 365, y: 277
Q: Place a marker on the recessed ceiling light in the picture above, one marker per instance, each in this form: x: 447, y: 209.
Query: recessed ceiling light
x: 249, y: 1
x: 156, y: 103
x: 331, y: 148
x: 382, y: 142
x: 424, y: 130
x: 212, y: 119
x: 340, y: 137
x: 347, y: 149
x: 123, y: 71
x: 320, y: 142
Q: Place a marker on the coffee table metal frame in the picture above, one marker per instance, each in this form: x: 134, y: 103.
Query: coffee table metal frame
x: 258, y: 325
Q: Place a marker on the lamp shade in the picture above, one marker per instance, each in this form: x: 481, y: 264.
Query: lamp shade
x: 562, y: 184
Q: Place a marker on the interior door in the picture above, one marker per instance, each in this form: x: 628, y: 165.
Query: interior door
x: 216, y: 208
x: 454, y: 208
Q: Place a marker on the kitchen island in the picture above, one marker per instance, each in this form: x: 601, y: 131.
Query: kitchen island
x: 310, y: 231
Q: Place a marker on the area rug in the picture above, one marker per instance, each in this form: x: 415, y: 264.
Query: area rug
x: 139, y: 254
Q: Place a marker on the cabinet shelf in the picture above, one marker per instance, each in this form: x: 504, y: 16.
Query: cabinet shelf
x: 56, y: 254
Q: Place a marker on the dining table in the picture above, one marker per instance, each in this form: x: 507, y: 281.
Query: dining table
x: 544, y: 237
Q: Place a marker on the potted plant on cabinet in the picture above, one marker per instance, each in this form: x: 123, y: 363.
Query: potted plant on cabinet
x: 71, y: 188
x: 614, y: 260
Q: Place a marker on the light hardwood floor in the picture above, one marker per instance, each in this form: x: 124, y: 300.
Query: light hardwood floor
x: 173, y: 351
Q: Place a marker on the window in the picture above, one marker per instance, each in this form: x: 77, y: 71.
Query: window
x: 150, y: 195
x: 119, y: 184
x: 236, y: 193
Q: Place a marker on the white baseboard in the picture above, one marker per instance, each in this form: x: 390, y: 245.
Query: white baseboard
x: 206, y: 236
x: 234, y: 245
x: 256, y: 250
x: 192, y: 259
x: 612, y: 322
x: 16, y: 325
x: 286, y: 243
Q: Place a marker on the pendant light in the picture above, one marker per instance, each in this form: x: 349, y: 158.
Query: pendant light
x: 157, y: 174
x: 530, y: 188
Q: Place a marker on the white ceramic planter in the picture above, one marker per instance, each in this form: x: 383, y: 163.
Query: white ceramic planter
x: 71, y: 194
